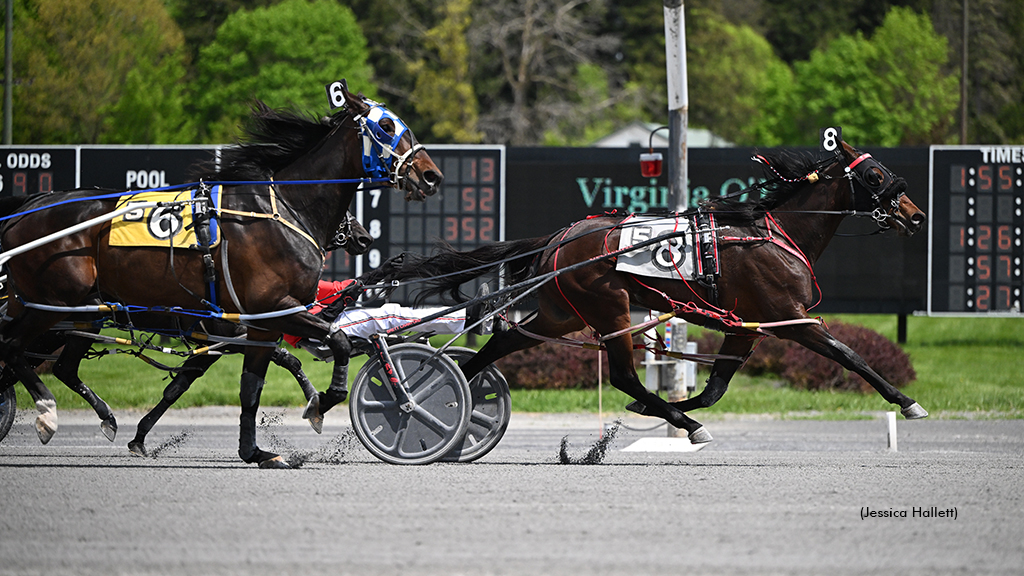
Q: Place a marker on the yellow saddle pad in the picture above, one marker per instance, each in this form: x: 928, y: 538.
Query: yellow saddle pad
x: 161, y: 225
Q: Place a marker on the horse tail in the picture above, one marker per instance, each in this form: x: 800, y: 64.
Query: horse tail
x: 447, y: 269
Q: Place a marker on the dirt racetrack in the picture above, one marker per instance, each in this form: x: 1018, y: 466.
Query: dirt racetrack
x: 767, y: 497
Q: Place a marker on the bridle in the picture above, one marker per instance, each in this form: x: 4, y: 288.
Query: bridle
x: 880, y: 185
x: 379, y: 157
x: 343, y: 235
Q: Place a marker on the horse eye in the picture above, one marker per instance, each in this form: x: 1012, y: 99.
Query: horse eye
x: 387, y: 124
x: 874, y: 177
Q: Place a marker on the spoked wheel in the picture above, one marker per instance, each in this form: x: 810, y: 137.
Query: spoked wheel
x: 8, y: 408
x: 437, y: 421
x: 492, y: 410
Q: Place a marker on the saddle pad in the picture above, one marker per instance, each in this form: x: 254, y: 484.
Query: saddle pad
x: 160, y: 225
x: 672, y: 258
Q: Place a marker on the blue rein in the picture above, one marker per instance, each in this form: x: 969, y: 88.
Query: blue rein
x: 196, y: 184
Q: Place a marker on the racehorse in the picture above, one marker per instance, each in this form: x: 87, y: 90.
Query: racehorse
x: 350, y: 236
x: 268, y: 260
x: 766, y: 249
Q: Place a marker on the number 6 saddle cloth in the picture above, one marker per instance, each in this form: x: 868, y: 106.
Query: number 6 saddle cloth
x: 163, y: 226
x: 688, y: 252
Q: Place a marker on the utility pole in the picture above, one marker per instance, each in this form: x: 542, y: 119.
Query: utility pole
x: 8, y: 71
x: 678, y: 112
x: 963, y: 81
x: 678, y: 101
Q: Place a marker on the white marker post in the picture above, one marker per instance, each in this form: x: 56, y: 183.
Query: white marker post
x: 891, y: 418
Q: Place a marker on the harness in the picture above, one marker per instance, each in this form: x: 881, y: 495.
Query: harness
x: 379, y: 157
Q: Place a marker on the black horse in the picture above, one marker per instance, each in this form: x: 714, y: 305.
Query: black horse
x: 268, y: 260
x: 766, y: 250
x: 350, y: 236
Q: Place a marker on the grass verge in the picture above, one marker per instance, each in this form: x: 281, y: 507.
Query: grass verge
x: 966, y: 367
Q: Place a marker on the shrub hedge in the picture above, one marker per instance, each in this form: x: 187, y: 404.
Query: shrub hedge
x: 807, y: 370
x: 552, y: 366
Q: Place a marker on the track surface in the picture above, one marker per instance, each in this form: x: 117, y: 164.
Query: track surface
x: 767, y: 497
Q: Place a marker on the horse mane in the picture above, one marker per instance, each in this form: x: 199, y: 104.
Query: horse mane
x: 784, y: 170
x: 272, y: 140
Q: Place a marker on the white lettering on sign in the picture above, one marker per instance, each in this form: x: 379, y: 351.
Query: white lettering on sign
x: 30, y: 160
x: 1002, y: 154
x: 145, y: 179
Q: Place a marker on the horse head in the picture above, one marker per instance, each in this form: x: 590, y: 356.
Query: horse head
x: 391, y: 150
x: 877, y: 190
x: 351, y: 236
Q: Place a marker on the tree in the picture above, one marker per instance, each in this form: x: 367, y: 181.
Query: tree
x: 739, y: 84
x: 886, y: 91
x: 528, y: 53
x: 995, y: 75
x: 444, y: 94
x: 393, y: 53
x: 78, y: 64
x: 199, y: 19
x: 797, y: 27
x: 284, y: 55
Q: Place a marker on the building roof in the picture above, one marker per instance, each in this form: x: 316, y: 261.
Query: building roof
x: 639, y: 134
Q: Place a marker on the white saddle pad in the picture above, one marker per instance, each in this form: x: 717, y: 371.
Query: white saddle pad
x: 671, y: 258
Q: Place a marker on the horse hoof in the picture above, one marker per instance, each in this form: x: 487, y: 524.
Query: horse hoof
x: 700, y: 436
x: 312, y: 413
x: 275, y: 462
x: 317, y: 424
x: 109, y: 429
x: 638, y: 407
x: 46, y: 427
x: 914, y: 411
x: 137, y: 448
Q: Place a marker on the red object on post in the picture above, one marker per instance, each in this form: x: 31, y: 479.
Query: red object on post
x: 650, y: 164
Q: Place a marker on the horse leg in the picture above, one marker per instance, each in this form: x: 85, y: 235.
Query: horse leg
x: 551, y: 322
x: 66, y: 368
x: 817, y: 339
x: 254, y: 370
x: 623, y: 376
x: 337, y: 392
x: 289, y: 362
x: 722, y: 372
x: 25, y: 327
x: 192, y: 369
x: 46, y: 404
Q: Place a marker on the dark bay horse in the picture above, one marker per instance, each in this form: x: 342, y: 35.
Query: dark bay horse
x: 767, y: 248
x: 351, y: 236
x: 269, y: 258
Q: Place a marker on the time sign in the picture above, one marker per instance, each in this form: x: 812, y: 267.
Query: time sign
x: 976, y: 252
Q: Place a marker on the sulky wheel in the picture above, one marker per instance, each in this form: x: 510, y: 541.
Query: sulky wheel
x: 492, y: 409
x: 436, y: 423
x: 8, y: 408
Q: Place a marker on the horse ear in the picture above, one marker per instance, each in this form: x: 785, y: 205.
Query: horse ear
x: 850, y: 151
x: 354, y: 102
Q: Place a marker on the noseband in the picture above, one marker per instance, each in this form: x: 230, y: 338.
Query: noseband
x: 343, y: 235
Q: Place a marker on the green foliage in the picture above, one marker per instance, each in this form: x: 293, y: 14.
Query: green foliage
x: 444, y: 95
x: 738, y: 84
x: 283, y: 55
x: 886, y: 91
x: 82, y: 66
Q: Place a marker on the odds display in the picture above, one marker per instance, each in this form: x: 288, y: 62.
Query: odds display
x: 976, y: 218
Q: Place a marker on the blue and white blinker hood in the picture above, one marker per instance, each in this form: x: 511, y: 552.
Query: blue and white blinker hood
x: 378, y: 144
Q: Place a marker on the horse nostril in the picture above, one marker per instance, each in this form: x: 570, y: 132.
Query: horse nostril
x: 433, y: 178
x: 917, y: 218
